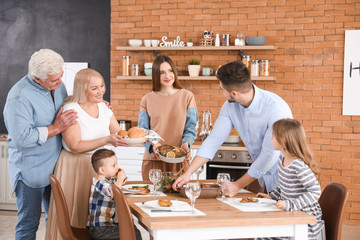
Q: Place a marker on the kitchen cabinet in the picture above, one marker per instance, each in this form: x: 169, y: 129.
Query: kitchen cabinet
x: 196, y: 48
x: 7, y: 199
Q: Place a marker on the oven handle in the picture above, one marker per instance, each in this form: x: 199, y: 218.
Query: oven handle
x: 227, y: 167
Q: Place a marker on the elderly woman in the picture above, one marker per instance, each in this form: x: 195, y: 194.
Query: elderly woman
x: 170, y: 111
x: 96, y: 127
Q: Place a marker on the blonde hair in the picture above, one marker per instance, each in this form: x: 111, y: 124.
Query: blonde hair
x: 45, y: 62
x: 81, y: 84
x: 290, y: 134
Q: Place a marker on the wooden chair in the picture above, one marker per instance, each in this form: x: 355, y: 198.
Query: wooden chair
x: 66, y: 230
x: 332, y: 202
x: 126, y: 222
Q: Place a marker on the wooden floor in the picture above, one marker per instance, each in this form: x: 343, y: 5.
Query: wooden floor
x: 8, y: 223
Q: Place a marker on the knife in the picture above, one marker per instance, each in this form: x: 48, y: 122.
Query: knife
x: 169, y: 210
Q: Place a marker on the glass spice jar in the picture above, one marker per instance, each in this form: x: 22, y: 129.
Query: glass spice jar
x: 134, y: 69
x: 264, y: 68
x: 246, y: 60
x: 254, y: 68
x: 240, y: 39
x: 125, y: 65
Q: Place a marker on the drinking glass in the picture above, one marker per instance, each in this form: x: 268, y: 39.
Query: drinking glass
x: 199, y: 171
x: 155, y: 178
x: 192, y: 191
x: 223, y: 180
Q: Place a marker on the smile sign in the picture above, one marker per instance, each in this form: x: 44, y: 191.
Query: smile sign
x: 175, y: 43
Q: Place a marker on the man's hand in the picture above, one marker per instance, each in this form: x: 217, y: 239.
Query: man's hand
x: 65, y: 119
x: 108, y: 105
x: 181, y: 181
x: 231, y: 189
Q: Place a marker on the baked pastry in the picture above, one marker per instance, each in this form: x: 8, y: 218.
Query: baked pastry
x: 136, y: 132
x: 123, y: 133
x: 248, y: 199
x: 165, y: 203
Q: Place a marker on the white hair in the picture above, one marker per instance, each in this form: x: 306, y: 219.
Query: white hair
x: 45, y: 62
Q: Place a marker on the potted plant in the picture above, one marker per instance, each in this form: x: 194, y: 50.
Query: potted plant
x: 189, y: 43
x: 194, y: 68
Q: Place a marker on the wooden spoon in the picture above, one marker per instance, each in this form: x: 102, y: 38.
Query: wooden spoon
x: 143, y: 192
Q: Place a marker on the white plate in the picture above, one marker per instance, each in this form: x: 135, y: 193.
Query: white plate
x: 262, y: 202
x: 135, y: 141
x: 175, y: 205
x: 129, y: 188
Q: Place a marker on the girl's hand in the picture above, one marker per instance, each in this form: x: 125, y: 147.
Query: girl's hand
x: 185, y: 146
x: 280, y: 204
x: 263, y: 195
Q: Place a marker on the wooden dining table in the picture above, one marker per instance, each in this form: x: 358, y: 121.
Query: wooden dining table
x: 221, y: 221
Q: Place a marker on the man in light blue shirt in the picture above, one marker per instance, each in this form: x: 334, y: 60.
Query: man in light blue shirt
x: 34, y: 120
x: 252, y: 111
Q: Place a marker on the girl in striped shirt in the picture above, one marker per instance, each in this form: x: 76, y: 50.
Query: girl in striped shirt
x: 298, y: 187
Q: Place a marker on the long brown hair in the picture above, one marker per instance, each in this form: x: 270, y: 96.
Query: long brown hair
x: 290, y: 134
x: 156, y: 86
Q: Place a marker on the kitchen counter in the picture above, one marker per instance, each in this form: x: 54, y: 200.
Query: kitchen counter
x: 225, y: 146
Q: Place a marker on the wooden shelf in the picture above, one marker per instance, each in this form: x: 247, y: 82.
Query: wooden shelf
x: 196, y: 48
x: 212, y: 78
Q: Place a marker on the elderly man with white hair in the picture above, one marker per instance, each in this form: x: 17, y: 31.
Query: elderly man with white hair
x: 34, y: 120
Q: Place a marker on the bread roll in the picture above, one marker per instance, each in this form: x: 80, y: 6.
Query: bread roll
x: 165, y: 203
x: 136, y: 132
x: 123, y: 133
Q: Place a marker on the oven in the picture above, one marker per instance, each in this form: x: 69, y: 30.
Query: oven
x: 234, y: 162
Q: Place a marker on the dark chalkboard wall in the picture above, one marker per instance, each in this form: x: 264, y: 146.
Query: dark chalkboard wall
x: 79, y: 30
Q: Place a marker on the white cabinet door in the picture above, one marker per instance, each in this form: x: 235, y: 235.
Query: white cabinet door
x: 7, y: 199
x: 130, y: 159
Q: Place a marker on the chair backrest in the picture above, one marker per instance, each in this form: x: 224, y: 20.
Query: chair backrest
x: 332, y: 202
x: 126, y: 222
x: 62, y: 212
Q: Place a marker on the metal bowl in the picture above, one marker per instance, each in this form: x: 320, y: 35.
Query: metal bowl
x: 256, y: 40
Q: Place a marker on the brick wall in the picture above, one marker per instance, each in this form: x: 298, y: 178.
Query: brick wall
x: 308, y: 65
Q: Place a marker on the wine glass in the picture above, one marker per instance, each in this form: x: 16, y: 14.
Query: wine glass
x: 192, y: 191
x: 155, y: 178
x: 223, y: 180
x: 199, y: 171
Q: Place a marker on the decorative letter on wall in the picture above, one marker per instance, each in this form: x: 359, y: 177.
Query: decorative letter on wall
x: 351, y: 94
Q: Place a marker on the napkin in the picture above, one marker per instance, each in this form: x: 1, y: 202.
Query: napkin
x: 159, y: 194
x: 147, y: 210
x: 257, y: 207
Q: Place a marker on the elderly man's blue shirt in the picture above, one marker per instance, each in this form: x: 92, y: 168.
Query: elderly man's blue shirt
x: 29, y: 109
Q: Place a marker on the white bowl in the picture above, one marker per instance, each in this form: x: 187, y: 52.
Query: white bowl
x: 135, y: 42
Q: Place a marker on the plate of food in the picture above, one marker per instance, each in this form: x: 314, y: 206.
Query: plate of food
x: 137, y: 136
x: 255, y: 202
x: 166, y: 203
x: 171, y: 154
x: 137, y: 187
